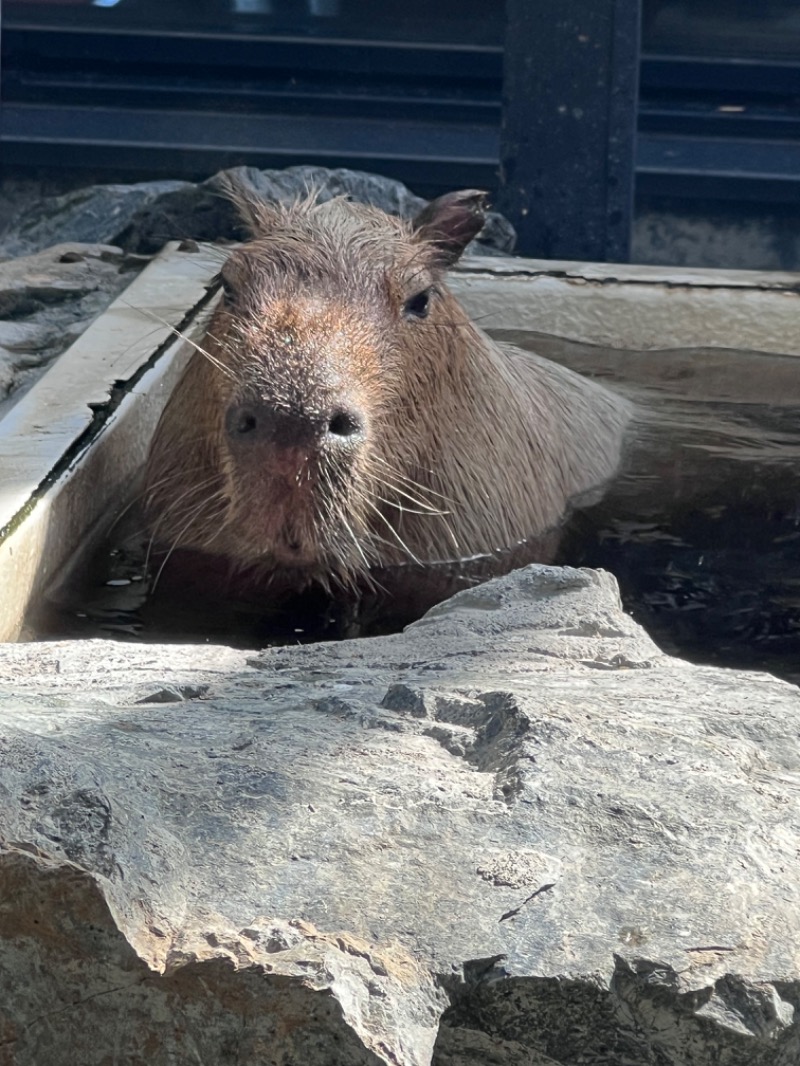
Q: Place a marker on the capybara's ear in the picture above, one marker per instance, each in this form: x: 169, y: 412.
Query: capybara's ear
x: 257, y: 214
x: 451, y: 221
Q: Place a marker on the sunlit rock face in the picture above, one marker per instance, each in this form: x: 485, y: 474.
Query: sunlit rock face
x: 516, y: 833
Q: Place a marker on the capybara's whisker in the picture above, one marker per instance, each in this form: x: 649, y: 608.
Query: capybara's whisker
x: 171, y: 513
x: 422, y: 505
x: 410, y: 483
x: 406, y: 550
x: 182, y: 336
x: 176, y: 543
x: 137, y: 499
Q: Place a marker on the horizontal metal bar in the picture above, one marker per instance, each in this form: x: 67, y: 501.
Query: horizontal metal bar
x: 465, y: 23
x: 731, y: 168
x: 440, y: 60
x: 180, y: 144
x: 668, y: 164
x: 463, y: 60
x: 223, y: 131
x: 718, y: 74
x: 743, y: 121
x: 320, y: 96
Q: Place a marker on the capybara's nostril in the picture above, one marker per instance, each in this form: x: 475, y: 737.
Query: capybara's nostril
x: 254, y: 422
x: 346, y: 423
x: 258, y: 422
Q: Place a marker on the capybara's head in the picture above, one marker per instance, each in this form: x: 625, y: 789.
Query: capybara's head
x: 300, y: 436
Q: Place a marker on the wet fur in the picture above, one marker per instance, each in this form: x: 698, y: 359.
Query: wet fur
x: 471, y: 447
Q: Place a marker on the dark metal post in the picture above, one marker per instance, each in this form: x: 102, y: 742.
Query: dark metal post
x: 569, y: 126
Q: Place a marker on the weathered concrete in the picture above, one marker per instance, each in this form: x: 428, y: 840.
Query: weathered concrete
x: 516, y: 833
x: 738, y: 234
x: 72, y: 447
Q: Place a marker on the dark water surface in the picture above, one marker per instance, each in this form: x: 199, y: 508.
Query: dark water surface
x: 702, y: 529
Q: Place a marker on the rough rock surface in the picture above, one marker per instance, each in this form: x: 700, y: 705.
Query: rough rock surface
x: 48, y: 299
x: 141, y: 218
x: 95, y: 214
x: 516, y: 834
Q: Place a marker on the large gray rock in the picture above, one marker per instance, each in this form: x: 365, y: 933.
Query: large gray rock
x: 98, y: 214
x: 141, y: 218
x: 48, y: 299
x: 515, y: 834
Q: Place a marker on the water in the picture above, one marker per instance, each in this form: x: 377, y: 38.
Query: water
x: 702, y: 529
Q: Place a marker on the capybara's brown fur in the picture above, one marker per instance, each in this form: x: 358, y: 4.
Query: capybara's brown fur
x: 345, y: 418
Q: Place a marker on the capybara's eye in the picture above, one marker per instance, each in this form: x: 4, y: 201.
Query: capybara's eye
x: 227, y: 288
x: 418, y: 305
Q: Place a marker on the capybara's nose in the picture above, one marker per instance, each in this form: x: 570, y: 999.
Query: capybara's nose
x: 258, y: 422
